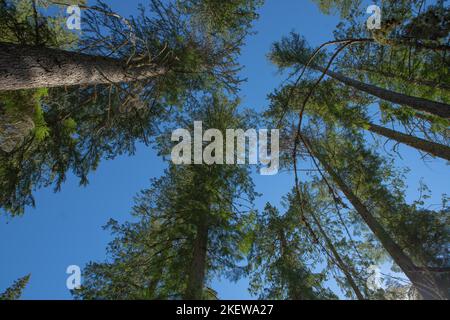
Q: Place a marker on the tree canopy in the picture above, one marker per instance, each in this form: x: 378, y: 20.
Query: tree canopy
x: 347, y: 112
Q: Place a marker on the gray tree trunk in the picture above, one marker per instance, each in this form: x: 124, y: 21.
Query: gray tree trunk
x: 425, y: 282
x: 435, y: 149
x: 30, y: 67
x: 196, y: 277
x: 436, y: 108
x: 416, y: 81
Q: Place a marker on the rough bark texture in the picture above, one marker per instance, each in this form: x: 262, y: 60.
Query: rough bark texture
x: 196, y: 278
x: 29, y: 67
x: 436, y: 108
x: 425, y: 282
x: 435, y: 149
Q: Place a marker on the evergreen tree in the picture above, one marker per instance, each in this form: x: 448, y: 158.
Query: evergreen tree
x: 336, y: 104
x: 294, y: 52
x: 386, y: 208
x: 190, y: 226
x: 137, y: 49
x: 15, y: 291
x: 75, y: 128
x: 279, y: 257
x: 340, y: 107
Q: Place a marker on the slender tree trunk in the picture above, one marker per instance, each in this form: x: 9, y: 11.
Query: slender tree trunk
x: 416, y: 81
x: 341, y: 264
x: 436, y: 149
x: 437, y: 108
x: 416, y: 43
x: 425, y: 283
x: 196, y: 277
x: 29, y: 67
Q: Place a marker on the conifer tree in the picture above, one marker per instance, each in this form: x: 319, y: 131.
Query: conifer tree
x: 15, y: 291
x: 279, y: 257
x: 74, y: 128
x: 191, y: 224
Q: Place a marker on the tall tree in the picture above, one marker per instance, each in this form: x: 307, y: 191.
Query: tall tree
x: 22, y: 23
x: 190, y: 225
x: 407, y: 69
x: 344, y: 101
x: 135, y: 49
x: 428, y: 283
x: 294, y: 52
x: 305, y: 201
x: 15, y: 291
x: 343, y: 7
x: 277, y: 261
x: 80, y: 126
x: 336, y: 104
x: 27, y: 67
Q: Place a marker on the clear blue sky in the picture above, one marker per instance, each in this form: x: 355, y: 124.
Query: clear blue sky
x: 65, y: 228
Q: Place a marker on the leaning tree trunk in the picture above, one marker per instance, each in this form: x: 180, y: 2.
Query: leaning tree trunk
x: 433, y: 148
x: 400, y: 77
x: 196, y: 277
x: 341, y: 264
x: 29, y: 67
x: 424, y: 282
x: 423, y: 105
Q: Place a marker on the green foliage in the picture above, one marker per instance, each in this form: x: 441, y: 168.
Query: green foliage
x: 410, y: 71
x: 420, y: 232
x: 151, y: 257
x: 15, y: 291
x: 46, y: 133
x: 19, y: 23
x: 336, y: 114
x: 226, y: 17
x: 75, y: 128
x: 279, y: 258
x: 84, y: 126
x: 292, y: 51
x: 22, y: 115
x: 343, y: 7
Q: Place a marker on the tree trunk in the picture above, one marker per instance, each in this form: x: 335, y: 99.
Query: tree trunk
x: 436, y: 108
x: 401, y: 77
x: 196, y: 277
x: 30, y: 67
x: 415, y: 43
x: 341, y: 264
x: 425, y: 283
x: 436, y: 149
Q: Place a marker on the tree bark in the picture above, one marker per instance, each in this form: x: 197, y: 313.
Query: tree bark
x: 30, y: 67
x: 387, y: 74
x: 423, y: 105
x: 424, y: 282
x: 433, y: 148
x: 196, y: 277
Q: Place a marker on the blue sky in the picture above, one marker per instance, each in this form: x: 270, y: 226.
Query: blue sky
x: 65, y: 228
